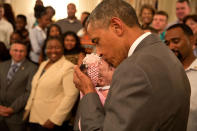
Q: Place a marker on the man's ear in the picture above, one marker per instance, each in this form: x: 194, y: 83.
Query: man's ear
x: 117, y: 26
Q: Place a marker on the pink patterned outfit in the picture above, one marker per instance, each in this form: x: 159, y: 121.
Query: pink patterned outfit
x: 92, y: 62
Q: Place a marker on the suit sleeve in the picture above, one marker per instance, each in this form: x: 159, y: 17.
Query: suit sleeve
x: 126, y: 104
x: 20, y: 102
x: 0, y: 83
x: 70, y: 96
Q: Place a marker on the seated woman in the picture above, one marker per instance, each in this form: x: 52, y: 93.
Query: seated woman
x: 53, y: 92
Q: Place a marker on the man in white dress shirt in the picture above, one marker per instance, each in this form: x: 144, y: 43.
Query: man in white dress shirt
x: 180, y: 39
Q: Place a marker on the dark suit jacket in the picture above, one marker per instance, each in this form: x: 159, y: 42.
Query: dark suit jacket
x: 15, y: 94
x: 149, y: 92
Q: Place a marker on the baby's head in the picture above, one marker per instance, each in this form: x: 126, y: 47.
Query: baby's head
x: 99, y: 71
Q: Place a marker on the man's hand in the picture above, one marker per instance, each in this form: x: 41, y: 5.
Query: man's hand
x: 5, y: 111
x: 83, y: 82
x: 48, y: 124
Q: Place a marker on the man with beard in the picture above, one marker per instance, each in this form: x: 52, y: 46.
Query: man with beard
x: 180, y: 40
x: 147, y: 93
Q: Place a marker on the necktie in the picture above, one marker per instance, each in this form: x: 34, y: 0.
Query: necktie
x: 11, y: 72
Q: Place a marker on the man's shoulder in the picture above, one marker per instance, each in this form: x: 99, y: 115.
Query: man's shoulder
x: 4, y: 66
x: 151, y: 54
x: 152, y: 45
x: 152, y: 38
x: 194, y: 63
x: 5, y: 22
x: 193, y: 66
x: 5, y: 63
x: 62, y: 21
x: 78, y: 21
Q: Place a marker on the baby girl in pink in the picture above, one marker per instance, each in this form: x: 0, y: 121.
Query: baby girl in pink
x: 100, y: 72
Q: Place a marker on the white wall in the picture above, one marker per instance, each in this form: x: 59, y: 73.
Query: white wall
x: 22, y: 6
x: 26, y: 6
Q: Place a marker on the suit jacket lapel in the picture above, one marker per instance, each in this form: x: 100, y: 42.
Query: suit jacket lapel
x: 51, y: 70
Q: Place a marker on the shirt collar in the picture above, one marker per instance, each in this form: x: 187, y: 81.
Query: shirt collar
x: 136, y: 43
x: 17, y: 63
x: 71, y: 20
x: 40, y: 29
x: 193, y: 66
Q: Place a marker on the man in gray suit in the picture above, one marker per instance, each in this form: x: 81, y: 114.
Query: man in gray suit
x: 149, y: 91
x: 15, y: 86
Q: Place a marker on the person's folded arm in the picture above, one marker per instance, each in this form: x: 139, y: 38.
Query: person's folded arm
x: 126, y: 104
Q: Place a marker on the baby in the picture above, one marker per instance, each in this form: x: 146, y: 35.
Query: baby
x: 100, y: 72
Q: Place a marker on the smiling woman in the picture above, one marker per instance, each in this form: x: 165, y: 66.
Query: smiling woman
x: 54, y: 49
x: 53, y: 93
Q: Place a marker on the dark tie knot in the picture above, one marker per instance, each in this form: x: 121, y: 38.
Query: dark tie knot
x: 14, y: 67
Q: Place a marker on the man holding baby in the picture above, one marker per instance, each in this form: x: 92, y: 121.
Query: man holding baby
x: 149, y: 90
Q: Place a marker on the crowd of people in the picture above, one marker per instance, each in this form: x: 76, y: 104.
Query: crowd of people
x: 113, y: 71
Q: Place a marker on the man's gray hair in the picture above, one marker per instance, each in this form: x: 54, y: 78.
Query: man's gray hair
x: 107, y: 9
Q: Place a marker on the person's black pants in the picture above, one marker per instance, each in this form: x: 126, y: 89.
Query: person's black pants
x: 8, y: 126
x: 36, y: 127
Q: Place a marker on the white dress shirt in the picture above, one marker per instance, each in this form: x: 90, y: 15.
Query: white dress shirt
x: 137, y: 42
x: 191, y: 72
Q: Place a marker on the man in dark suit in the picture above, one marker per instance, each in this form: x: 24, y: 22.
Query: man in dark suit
x: 15, y: 86
x: 149, y: 91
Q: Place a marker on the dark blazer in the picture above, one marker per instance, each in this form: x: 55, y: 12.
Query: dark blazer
x: 15, y: 94
x: 149, y: 92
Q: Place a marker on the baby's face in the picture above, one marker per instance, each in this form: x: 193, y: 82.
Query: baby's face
x: 105, y: 73
x: 100, y: 74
